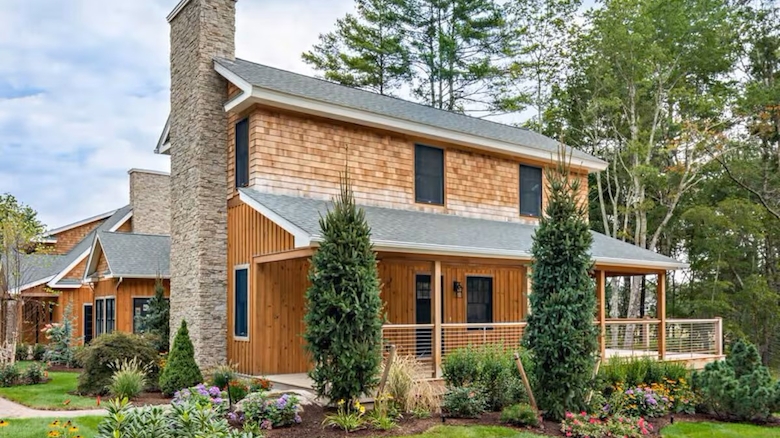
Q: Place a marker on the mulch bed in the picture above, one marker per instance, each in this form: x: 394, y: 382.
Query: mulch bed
x: 151, y: 399
x: 311, y: 425
x: 63, y: 368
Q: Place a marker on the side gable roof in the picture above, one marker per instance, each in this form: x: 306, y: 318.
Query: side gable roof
x: 81, y: 250
x: 54, y: 232
x: 131, y: 255
x: 413, y: 231
x: 34, y: 269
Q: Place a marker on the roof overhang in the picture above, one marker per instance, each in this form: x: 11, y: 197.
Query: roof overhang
x: 251, y: 95
x: 75, y: 225
x: 164, y: 142
x: 30, y: 285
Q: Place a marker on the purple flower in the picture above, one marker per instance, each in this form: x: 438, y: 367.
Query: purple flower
x: 214, y: 391
x: 217, y: 400
x: 281, y: 402
x: 266, y: 425
x: 652, y: 401
x: 232, y: 416
x: 630, y: 392
x: 297, y: 419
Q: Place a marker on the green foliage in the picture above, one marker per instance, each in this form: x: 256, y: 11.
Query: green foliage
x: 38, y: 352
x: 157, y: 320
x: 59, y: 350
x: 22, y: 351
x: 640, y: 371
x: 268, y: 413
x: 237, y: 389
x: 584, y: 425
x: 521, y: 414
x: 128, y: 380
x: 739, y: 387
x: 9, y: 374
x: 464, y: 402
x: 343, y: 322
x: 180, y: 370
x: 349, y: 417
x: 108, y: 349
x: 560, y: 333
x: 34, y: 373
x: 222, y: 375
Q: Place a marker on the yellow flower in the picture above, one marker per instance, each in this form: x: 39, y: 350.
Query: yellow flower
x: 73, y: 429
x: 54, y: 423
x: 54, y: 433
x: 341, y: 403
x: 4, y: 423
x: 362, y: 410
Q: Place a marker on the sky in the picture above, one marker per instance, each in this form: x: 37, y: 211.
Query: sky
x: 84, y: 90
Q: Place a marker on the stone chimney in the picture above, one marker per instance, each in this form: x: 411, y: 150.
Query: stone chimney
x: 150, y: 197
x: 200, y: 31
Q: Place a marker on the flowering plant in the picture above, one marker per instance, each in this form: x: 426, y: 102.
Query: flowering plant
x: 260, y: 384
x: 269, y: 413
x: 204, y: 395
x: 63, y: 429
x: 645, y: 401
x: 349, y: 416
x: 583, y: 425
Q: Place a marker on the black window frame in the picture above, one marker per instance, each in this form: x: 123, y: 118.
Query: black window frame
x: 241, y: 161
x: 236, y: 332
x: 100, y: 315
x: 536, y: 211
x: 88, y: 334
x: 110, y: 316
x: 423, y: 175
x: 488, y: 305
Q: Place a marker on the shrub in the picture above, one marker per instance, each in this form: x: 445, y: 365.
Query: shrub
x: 78, y: 354
x: 461, y: 367
x: 180, y: 370
x: 584, y: 425
x: 222, y: 375
x: 464, y: 402
x: 560, y: 332
x: 260, y: 384
x: 9, y: 374
x: 128, y: 380
x: 348, y: 417
x: 644, y: 371
x: 521, y: 414
x: 203, y: 394
x: 739, y: 387
x: 59, y: 350
x: 22, y: 351
x: 35, y: 373
x: 109, y: 349
x: 157, y: 320
x: 237, y: 390
x: 39, y: 350
x: 343, y: 324
x: 643, y: 401
x: 268, y: 413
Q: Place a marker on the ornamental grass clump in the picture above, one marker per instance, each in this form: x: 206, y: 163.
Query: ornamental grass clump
x: 129, y: 378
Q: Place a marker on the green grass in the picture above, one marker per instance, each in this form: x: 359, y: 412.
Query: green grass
x: 39, y: 427
x: 51, y: 395
x: 473, y: 432
x: 718, y: 430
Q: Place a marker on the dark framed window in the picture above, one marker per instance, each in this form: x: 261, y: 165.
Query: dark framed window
x: 530, y: 190
x: 110, y: 314
x: 88, y: 323
x: 428, y: 175
x: 140, y: 310
x: 242, y: 153
x: 100, y: 311
x: 479, y: 300
x: 241, y: 300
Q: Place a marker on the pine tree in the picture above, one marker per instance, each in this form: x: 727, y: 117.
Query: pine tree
x: 560, y: 333
x: 343, y: 322
x: 180, y: 371
x: 157, y: 320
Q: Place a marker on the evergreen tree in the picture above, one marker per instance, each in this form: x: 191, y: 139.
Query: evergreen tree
x: 157, y: 320
x: 343, y: 322
x: 560, y: 333
x: 180, y: 371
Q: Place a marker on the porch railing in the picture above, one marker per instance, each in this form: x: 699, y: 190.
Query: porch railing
x: 694, y: 337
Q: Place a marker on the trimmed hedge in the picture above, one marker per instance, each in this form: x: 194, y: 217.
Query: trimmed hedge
x: 108, y: 349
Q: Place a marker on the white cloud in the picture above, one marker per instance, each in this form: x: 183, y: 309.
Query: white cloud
x: 84, y: 90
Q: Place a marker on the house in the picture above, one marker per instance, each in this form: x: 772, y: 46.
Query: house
x: 105, y: 266
x: 453, y: 202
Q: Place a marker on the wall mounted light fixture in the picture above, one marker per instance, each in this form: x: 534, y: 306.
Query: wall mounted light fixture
x: 458, y: 288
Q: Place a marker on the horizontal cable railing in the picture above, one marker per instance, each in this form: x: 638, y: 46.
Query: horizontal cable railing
x: 414, y: 340
x: 456, y: 336
x: 631, y: 337
x: 693, y: 336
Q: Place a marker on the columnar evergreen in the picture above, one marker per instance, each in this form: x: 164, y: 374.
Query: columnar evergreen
x: 343, y: 322
x: 157, y: 320
x: 180, y: 370
x: 560, y: 333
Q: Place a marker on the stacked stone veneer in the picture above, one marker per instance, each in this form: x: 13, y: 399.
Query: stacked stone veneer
x: 150, y: 197
x: 200, y: 31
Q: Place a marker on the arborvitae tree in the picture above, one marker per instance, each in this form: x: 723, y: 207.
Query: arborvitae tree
x: 560, y: 333
x: 343, y: 315
x: 180, y: 371
x: 157, y: 320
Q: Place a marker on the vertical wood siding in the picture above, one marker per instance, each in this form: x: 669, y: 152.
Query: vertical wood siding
x: 128, y: 289
x: 77, y: 298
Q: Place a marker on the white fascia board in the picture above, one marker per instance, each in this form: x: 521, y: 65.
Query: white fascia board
x: 252, y: 95
x: 30, y: 285
x: 91, y: 260
x: 78, y: 224
x: 302, y: 238
x: 652, y: 264
x: 163, y: 143
x: 137, y: 276
x: 73, y: 264
x: 121, y: 221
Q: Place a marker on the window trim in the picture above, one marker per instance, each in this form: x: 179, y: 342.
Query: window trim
x: 99, y: 329
x: 139, y: 297
x: 443, y: 175
x: 519, y: 191
x: 235, y: 153
x: 84, y: 323
x: 492, y: 300
x: 105, y: 316
x: 237, y: 268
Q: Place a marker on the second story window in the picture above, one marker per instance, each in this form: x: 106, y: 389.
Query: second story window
x: 242, y: 153
x: 428, y: 175
x: 530, y: 191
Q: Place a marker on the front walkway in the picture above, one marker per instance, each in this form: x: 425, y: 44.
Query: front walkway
x: 9, y: 409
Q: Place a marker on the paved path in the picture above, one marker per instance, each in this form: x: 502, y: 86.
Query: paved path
x: 9, y: 409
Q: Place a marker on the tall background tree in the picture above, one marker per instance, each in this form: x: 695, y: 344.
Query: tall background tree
x: 560, y: 332
x: 343, y: 311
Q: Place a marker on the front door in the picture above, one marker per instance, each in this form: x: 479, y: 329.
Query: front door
x: 87, y: 323
x: 423, y: 314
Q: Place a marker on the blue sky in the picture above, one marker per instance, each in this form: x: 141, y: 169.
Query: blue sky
x: 84, y: 90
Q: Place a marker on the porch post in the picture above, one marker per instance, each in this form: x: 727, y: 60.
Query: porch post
x: 661, y: 313
x: 436, y: 296
x: 602, y: 311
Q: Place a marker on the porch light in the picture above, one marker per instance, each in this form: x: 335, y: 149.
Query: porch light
x: 458, y: 288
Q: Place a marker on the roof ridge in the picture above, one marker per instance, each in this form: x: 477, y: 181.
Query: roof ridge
x: 130, y: 233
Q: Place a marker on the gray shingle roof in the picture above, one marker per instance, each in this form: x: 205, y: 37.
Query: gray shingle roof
x: 136, y: 255
x: 274, y: 79
x: 35, y: 267
x: 84, y: 245
x: 413, y: 229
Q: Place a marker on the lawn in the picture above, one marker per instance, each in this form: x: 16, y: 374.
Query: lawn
x: 473, y: 432
x: 718, y: 430
x: 52, y: 395
x: 39, y: 427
